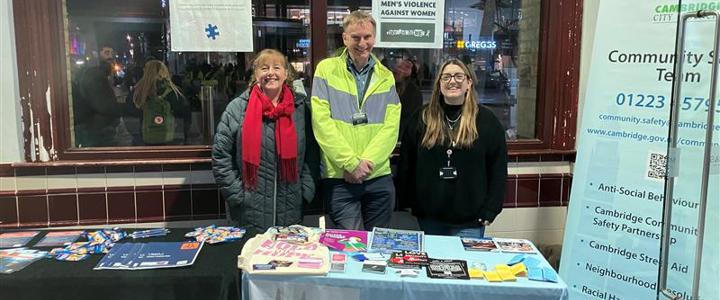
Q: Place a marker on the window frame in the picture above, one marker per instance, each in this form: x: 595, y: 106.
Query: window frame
x: 42, y: 70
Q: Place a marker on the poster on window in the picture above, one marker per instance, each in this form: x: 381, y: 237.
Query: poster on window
x: 409, y: 23
x: 611, y: 248
x: 211, y: 26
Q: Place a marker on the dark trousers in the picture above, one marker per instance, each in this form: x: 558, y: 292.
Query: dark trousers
x: 360, y: 206
x: 440, y: 228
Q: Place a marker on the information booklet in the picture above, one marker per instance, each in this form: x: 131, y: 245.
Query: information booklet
x: 474, y: 244
x: 111, y: 257
x: 515, y: 245
x: 16, y: 239
x: 345, y: 240
x: 59, y: 238
x: 141, y: 256
x: 13, y: 260
x: 408, y: 259
x: 447, y: 269
x: 120, y: 257
x: 391, y: 240
x: 167, y: 255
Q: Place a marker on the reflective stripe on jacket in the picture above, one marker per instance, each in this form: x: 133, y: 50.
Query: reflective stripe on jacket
x: 334, y: 102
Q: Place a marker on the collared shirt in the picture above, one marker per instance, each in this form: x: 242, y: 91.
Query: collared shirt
x: 362, y: 76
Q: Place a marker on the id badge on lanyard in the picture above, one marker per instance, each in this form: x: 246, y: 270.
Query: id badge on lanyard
x: 449, y: 172
x: 359, y: 118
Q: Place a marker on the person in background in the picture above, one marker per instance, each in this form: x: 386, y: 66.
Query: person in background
x: 355, y: 118
x: 161, y: 104
x: 409, y: 92
x: 453, y: 159
x: 261, y: 161
x: 96, y: 110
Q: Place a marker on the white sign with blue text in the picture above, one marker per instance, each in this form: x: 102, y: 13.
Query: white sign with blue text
x: 612, y: 238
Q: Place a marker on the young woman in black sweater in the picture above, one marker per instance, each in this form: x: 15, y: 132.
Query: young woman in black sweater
x: 453, y: 159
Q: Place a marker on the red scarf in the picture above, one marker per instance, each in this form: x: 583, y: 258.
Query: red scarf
x: 261, y: 107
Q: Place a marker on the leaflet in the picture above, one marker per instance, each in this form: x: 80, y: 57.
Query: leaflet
x: 13, y: 260
x: 59, y: 238
x: 345, y: 240
x: 448, y: 269
x: 140, y: 256
x: 110, y: 258
x: 475, y: 244
x: 167, y: 255
x: 515, y: 245
x: 391, y: 240
x: 16, y: 239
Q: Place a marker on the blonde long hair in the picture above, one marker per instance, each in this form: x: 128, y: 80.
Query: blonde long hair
x: 153, y: 71
x: 437, y: 132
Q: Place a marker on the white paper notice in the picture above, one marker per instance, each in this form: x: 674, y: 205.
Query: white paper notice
x: 211, y: 25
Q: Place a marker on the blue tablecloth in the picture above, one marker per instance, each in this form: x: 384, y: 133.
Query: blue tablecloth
x: 355, y: 284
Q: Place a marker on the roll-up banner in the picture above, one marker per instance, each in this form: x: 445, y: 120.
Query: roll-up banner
x: 612, y: 238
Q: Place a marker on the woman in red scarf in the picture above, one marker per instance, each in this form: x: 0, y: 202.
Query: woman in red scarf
x: 260, y: 159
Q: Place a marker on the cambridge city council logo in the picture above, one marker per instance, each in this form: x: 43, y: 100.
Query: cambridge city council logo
x: 667, y: 11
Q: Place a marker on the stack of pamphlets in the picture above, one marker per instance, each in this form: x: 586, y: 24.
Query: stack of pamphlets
x: 391, y: 240
x: 531, y: 267
x: 213, y: 234
x: 293, y: 234
x: 448, y: 269
x: 140, y: 256
x: 98, y: 242
x: 542, y: 274
x: 514, y: 245
x: 337, y: 262
x: 497, y: 244
x: 16, y: 239
x: 149, y: 233
x: 475, y: 244
x: 345, y: 240
x: 15, y: 259
x: 408, y: 259
x: 59, y: 238
x: 476, y: 270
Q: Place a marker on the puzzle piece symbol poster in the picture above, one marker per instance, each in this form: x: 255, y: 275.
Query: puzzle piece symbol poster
x: 211, y: 25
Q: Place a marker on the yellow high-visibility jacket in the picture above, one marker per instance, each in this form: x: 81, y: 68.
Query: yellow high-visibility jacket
x: 334, y: 101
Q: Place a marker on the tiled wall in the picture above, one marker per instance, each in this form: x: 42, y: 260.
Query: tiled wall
x: 62, y: 196
x: 65, y: 196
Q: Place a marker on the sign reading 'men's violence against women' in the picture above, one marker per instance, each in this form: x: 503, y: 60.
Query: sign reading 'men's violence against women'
x: 409, y: 23
x: 613, y: 232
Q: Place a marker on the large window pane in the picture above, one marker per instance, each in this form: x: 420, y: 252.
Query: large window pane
x: 110, y: 42
x: 498, y: 39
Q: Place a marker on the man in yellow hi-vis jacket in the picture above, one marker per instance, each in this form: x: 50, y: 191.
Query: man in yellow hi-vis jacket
x: 355, y: 118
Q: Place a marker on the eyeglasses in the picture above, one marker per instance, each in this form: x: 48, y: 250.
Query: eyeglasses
x: 459, y: 77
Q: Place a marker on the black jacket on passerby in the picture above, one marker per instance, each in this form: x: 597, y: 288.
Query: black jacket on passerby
x: 411, y: 99
x: 479, y: 189
x: 95, y: 109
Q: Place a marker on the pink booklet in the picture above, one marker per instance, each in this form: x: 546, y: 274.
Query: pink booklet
x: 345, y: 240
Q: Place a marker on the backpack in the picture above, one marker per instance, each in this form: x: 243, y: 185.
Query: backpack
x: 158, y: 126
